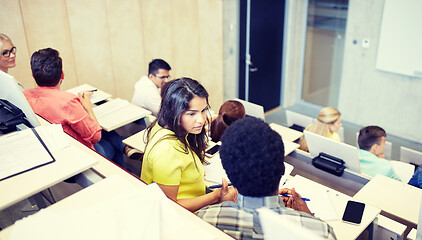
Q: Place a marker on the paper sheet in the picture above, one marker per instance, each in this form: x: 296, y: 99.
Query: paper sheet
x: 21, y: 151
x: 96, y: 96
x: 117, y: 111
x: 320, y: 204
x: 53, y: 136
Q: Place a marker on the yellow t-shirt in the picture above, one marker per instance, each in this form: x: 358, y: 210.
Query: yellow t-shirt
x: 335, y: 137
x: 168, y: 162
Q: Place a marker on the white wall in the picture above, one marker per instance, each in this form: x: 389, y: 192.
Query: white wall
x: 369, y: 96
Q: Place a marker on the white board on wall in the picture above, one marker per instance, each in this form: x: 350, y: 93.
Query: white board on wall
x: 400, y: 42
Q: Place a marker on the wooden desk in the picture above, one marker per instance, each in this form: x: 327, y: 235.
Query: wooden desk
x: 343, y: 230
x: 69, y: 162
x: 394, y: 198
x: 114, y: 113
x: 114, y: 186
x: 137, y: 140
x: 118, y: 112
x: 286, y: 133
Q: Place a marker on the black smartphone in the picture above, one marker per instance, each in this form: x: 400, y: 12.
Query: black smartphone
x: 212, y: 151
x: 353, y: 212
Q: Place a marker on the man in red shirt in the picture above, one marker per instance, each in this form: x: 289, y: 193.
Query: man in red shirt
x: 73, y: 112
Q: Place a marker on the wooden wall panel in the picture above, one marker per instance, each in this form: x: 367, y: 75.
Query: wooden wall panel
x: 211, y: 49
x: 157, y: 31
x: 109, y: 43
x: 89, y: 30
x: 185, y: 29
x: 127, y: 47
x: 11, y: 24
x: 47, y: 26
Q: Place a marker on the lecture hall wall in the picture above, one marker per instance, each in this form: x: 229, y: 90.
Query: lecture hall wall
x: 109, y: 43
x: 369, y: 96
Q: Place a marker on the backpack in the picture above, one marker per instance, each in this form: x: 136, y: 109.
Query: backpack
x: 10, y: 117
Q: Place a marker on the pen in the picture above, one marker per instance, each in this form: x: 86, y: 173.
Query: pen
x: 94, y: 90
x: 287, y: 195
x: 217, y: 186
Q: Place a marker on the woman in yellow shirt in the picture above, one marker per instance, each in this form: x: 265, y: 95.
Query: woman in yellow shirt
x: 176, y: 146
x: 327, y: 125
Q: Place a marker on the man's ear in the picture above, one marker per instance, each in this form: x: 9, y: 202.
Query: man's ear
x: 62, y: 76
x: 150, y: 76
x: 374, y: 148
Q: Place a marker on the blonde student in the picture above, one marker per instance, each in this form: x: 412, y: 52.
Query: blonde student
x: 327, y: 125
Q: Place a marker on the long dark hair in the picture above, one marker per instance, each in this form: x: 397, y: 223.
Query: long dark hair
x: 175, y: 98
x: 229, y: 112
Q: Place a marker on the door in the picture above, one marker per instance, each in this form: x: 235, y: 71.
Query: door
x: 260, y: 53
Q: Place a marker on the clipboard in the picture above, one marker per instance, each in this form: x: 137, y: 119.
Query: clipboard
x: 22, y: 151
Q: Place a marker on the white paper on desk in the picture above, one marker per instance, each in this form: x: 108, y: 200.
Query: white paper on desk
x: 145, y: 213
x: 53, y: 136
x: 287, y: 171
x: 320, y: 201
x: 117, y: 111
x: 96, y: 96
x: 21, y: 151
x: 214, y: 171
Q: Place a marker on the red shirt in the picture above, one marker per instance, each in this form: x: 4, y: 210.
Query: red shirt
x: 66, y: 109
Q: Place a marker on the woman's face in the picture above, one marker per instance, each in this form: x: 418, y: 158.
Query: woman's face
x: 7, y: 62
x: 335, y: 126
x: 193, y: 120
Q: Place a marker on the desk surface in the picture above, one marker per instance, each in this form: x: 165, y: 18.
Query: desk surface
x: 394, y: 197
x: 118, y: 112
x: 137, y: 140
x: 117, y: 186
x: 343, y: 230
x: 69, y: 162
x: 286, y: 133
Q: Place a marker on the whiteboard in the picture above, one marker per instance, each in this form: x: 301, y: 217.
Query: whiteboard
x: 400, y: 42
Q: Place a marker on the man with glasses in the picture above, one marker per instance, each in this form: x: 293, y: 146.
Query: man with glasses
x: 147, y: 89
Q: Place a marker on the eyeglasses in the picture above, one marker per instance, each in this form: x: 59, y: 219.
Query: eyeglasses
x: 6, y: 53
x: 163, y: 77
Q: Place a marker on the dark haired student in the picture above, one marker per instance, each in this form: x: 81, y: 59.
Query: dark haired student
x: 371, y: 142
x: 73, y: 112
x: 176, y: 146
x: 147, y: 89
x: 253, y: 156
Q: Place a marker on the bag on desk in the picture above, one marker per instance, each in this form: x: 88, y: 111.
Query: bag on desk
x: 329, y: 164
x: 10, y: 117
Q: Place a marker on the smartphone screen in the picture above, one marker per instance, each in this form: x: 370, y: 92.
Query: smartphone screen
x: 353, y: 212
x: 213, y: 150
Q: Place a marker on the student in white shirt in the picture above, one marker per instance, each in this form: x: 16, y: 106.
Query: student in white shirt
x: 147, y: 89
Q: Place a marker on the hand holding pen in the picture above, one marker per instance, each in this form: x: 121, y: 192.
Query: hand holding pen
x: 292, y: 199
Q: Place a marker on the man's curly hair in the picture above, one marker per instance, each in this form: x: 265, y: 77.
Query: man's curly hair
x: 253, y: 156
